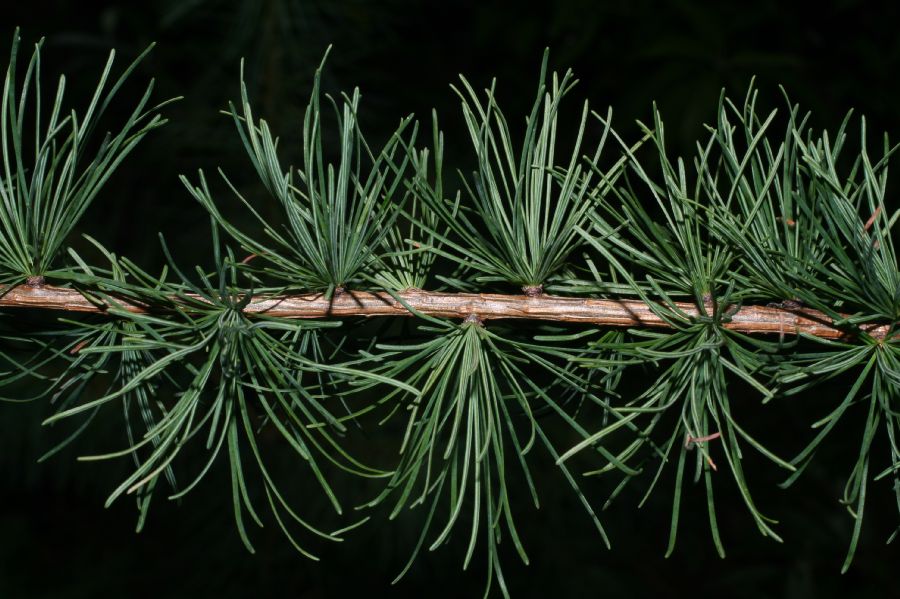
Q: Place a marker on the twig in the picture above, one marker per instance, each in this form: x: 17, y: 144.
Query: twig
x: 605, y: 312
x: 690, y: 441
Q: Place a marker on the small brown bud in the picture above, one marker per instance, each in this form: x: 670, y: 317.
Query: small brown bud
x: 533, y: 290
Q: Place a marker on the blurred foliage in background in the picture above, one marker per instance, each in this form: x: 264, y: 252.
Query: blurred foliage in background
x: 58, y: 541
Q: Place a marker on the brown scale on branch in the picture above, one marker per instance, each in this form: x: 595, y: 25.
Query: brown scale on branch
x: 774, y: 319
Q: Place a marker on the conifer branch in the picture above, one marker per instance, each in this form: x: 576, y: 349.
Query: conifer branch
x: 758, y: 215
x: 783, y: 320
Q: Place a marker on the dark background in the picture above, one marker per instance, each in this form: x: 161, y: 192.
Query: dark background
x: 56, y: 540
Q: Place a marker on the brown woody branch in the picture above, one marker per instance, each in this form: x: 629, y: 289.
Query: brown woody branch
x: 486, y: 306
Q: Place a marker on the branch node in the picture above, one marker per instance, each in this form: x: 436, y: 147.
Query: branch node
x: 473, y: 319
x: 709, y: 304
x: 533, y: 290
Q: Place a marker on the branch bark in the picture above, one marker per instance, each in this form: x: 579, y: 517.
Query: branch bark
x: 604, y: 312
